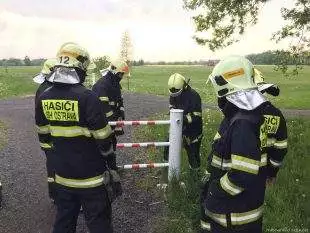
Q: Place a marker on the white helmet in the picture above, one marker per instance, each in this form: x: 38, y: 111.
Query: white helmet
x: 73, y: 55
x: 176, y: 84
x: 232, y: 74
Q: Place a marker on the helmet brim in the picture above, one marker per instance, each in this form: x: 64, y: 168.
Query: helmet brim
x: 265, y: 86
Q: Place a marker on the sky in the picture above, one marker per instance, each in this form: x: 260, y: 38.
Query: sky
x: 159, y: 29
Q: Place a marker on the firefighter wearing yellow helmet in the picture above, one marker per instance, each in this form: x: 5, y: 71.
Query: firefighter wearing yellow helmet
x: 183, y: 96
x: 71, y: 121
x: 276, y: 129
x: 233, y: 196
x: 41, y: 79
x: 108, y: 89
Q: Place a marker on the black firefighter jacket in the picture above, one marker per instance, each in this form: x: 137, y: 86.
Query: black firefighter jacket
x: 69, y: 119
x: 190, y: 101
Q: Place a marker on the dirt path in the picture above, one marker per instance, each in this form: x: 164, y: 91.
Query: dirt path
x: 26, y: 207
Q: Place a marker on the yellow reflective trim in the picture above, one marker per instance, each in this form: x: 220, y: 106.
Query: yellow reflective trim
x: 61, y: 110
x: 108, y: 114
x: 112, y: 103
x: 104, y: 98
x: 263, y: 160
x: 46, y: 145
x: 50, y: 179
x: 229, y: 187
x: 272, y: 123
x: 81, y: 183
x: 45, y: 129
x: 205, y: 225
x: 197, y: 114
x: 280, y: 144
x: 69, y: 131
x: 217, y: 136
x: 233, y: 73
x: 219, y: 218
x: 275, y: 163
x: 224, y: 164
x: 245, y: 164
x: 102, y: 133
x: 246, y: 217
x: 189, y: 118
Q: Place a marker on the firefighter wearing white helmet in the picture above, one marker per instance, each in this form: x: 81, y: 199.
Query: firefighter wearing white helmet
x: 41, y: 79
x: 71, y: 121
x: 183, y: 96
x: 233, y: 196
x: 276, y: 129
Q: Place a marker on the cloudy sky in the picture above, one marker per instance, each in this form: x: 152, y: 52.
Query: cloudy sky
x: 160, y: 29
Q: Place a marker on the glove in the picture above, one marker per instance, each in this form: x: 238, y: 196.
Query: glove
x: 114, y: 187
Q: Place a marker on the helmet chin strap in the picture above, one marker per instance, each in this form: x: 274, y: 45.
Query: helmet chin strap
x: 175, y: 94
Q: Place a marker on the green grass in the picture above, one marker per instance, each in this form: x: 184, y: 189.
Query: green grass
x: 3, y: 135
x: 153, y: 79
x: 287, y: 202
x: 17, y: 81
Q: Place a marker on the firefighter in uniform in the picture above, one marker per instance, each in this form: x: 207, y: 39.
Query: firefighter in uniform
x: 233, y: 196
x: 70, y: 119
x: 44, y: 84
x: 108, y: 89
x: 276, y: 129
x: 182, y: 96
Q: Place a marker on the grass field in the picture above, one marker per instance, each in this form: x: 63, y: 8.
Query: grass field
x: 3, y: 136
x: 287, y: 203
x: 295, y: 94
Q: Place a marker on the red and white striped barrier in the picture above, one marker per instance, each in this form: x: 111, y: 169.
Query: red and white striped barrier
x: 142, y: 144
x: 143, y: 165
x: 135, y: 123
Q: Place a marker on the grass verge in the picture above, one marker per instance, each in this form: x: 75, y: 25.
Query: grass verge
x: 287, y: 202
x: 3, y: 135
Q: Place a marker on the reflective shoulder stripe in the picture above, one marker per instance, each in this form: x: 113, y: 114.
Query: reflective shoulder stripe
x: 217, y: 136
x: 197, y: 114
x: 189, y: 118
x: 275, y: 163
x: 112, y: 103
x: 219, y: 218
x: 69, y: 131
x: 245, y: 164
x: 108, y: 114
x: 263, y: 160
x: 270, y: 142
x: 50, y: 179
x: 45, y: 129
x: 46, y: 145
x: 205, y: 225
x: 280, y: 144
x: 229, y: 187
x: 104, y: 98
x: 82, y: 183
x: 102, y: 133
x: 220, y: 163
x: 246, y: 217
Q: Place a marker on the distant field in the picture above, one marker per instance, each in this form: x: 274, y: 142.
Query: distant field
x: 17, y: 81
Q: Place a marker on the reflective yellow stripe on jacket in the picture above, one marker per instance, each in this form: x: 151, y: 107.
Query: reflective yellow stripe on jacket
x: 45, y: 129
x: 46, y: 145
x: 189, y: 117
x: 104, y: 98
x: 76, y: 131
x: 245, y: 164
x: 81, y: 183
x: 229, y: 187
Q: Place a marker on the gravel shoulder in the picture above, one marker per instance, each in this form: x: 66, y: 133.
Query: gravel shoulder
x: 26, y: 207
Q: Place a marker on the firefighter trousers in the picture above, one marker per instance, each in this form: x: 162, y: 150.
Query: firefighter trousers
x: 50, y: 160
x: 193, y: 153
x: 96, y: 208
x: 254, y: 227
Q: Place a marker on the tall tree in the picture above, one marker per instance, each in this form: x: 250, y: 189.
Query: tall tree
x: 226, y: 20
x: 27, y: 61
x: 126, y: 51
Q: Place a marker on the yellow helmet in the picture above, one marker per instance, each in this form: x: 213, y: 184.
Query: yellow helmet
x: 46, y: 69
x: 73, y: 55
x: 176, y: 84
x: 232, y: 74
x: 119, y: 66
x: 263, y: 86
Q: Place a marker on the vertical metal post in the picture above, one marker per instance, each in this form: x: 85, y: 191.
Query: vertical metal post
x: 175, y: 139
